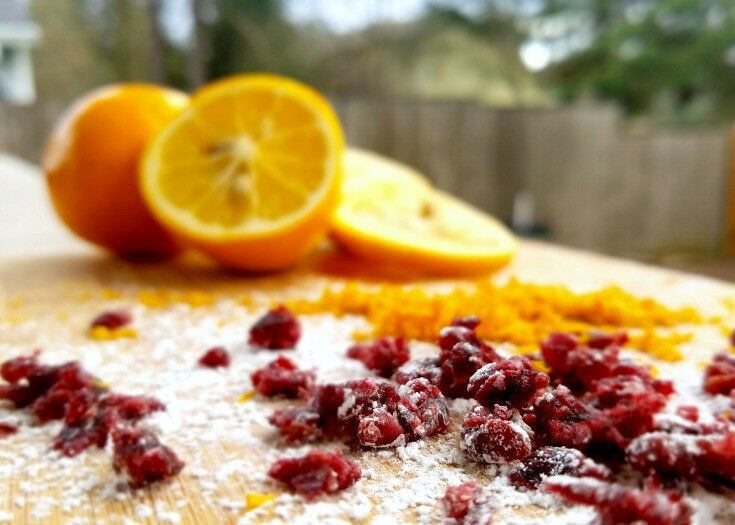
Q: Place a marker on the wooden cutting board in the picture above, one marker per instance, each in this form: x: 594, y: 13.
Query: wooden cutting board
x: 50, y: 287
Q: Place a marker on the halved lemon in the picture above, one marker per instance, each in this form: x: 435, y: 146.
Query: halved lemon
x: 390, y: 213
x: 250, y: 173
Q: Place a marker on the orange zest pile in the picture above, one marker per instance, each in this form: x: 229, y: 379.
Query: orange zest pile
x: 520, y: 313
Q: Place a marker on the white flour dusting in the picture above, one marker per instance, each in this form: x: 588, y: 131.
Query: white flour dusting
x: 228, y: 446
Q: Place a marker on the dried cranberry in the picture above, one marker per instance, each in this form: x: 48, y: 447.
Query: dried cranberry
x: 468, y: 321
x: 716, y: 457
x: 618, y: 505
x: 75, y: 439
x: 688, y: 412
x: 668, y: 455
x: 68, y: 381
x: 382, y: 356
x: 490, y: 437
x: 283, y: 377
x: 317, y: 473
x: 296, y: 424
x: 426, y: 367
x: 601, y: 340
x: 559, y: 418
x: 380, y: 428
x: 215, y: 357
x: 384, y: 410
x: 131, y: 408
x: 142, y: 457
x: 451, y: 335
x: 277, y: 329
x: 13, y: 370
x: 467, y: 504
x: 112, y: 319
x: 554, y: 461
x: 432, y: 406
x: 459, y: 363
x: 626, y: 407
x: 513, y: 381
x: 719, y: 377
x: 7, y: 429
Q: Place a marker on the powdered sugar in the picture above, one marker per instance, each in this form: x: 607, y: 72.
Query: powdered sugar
x: 229, y: 445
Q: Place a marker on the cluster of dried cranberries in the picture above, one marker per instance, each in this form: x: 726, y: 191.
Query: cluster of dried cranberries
x: 592, y: 401
x: 372, y: 413
x: 90, y: 413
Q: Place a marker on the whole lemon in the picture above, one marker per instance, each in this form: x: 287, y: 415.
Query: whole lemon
x: 91, y: 161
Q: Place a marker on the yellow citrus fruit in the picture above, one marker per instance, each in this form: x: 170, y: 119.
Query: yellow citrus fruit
x: 392, y: 214
x: 91, y: 163
x: 250, y: 173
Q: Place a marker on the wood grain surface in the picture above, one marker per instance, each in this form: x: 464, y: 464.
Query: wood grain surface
x: 50, y: 287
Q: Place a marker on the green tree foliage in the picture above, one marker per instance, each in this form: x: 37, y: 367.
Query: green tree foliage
x: 665, y: 57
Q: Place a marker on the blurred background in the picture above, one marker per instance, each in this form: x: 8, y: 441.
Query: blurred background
x: 600, y: 124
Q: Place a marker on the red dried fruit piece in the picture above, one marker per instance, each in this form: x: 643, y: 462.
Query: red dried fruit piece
x: 559, y: 418
x: 13, y: 370
x: 554, y: 461
x: 688, y: 412
x: 668, y: 455
x: 432, y: 405
x: 112, y: 319
x: 716, y: 458
x: 142, y: 457
x: 578, y: 366
x: 277, y: 329
x: 626, y: 407
x: 514, y: 382
x: 451, y: 335
x: 619, y: 505
x: 685, y: 456
x: 317, y: 473
x: 490, y: 436
x: 68, y: 381
x: 380, y: 428
x: 215, y: 357
x: 383, y: 408
x: 467, y: 504
x: 459, y: 363
x: 719, y: 377
x: 72, y: 440
x: 426, y: 367
x: 382, y: 356
x: 7, y: 429
x: 282, y: 377
x: 468, y: 321
x: 296, y: 424
x: 131, y: 408
x: 602, y: 340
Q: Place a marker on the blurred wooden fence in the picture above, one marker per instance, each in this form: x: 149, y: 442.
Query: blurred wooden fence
x: 597, y: 184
